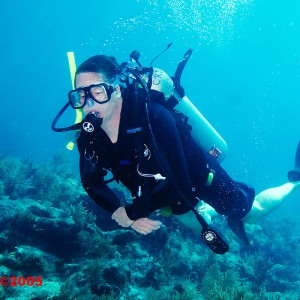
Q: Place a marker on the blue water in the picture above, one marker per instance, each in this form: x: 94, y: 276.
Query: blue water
x: 243, y: 74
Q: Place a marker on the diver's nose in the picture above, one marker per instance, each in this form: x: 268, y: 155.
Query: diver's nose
x: 90, y: 102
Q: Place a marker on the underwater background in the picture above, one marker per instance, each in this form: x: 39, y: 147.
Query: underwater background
x: 243, y: 75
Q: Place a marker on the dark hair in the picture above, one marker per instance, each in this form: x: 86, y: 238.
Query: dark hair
x: 104, y: 64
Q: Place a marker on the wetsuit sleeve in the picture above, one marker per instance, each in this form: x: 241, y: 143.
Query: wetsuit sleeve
x: 170, y: 146
x: 92, y: 178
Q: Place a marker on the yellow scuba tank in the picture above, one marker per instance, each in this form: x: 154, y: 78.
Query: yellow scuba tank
x: 202, y: 131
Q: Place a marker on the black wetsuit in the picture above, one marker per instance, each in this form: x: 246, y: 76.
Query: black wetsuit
x: 188, y: 164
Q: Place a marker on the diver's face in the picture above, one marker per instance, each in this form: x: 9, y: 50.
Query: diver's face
x: 86, y: 79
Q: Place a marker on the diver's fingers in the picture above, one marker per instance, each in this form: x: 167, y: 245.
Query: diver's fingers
x: 151, y: 223
x: 145, y: 225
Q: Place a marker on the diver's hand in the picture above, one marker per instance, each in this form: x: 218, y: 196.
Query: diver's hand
x: 120, y: 216
x: 145, y: 225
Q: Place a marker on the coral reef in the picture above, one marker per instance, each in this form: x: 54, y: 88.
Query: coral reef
x: 52, y: 231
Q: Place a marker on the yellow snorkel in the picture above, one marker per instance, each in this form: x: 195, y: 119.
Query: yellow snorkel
x: 72, y: 67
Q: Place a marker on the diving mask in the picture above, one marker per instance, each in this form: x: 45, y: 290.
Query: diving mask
x: 100, y: 93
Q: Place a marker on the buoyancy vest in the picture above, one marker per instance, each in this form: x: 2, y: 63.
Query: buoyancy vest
x: 120, y: 158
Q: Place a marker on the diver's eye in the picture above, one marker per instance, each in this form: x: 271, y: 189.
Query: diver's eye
x: 81, y: 96
x: 99, y: 93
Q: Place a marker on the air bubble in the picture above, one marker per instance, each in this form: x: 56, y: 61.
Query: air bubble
x: 211, y: 21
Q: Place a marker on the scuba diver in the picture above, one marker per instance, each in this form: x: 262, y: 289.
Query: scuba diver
x: 130, y: 135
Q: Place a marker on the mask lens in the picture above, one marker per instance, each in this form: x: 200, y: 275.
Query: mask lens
x: 77, y: 98
x: 99, y: 93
